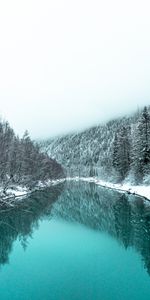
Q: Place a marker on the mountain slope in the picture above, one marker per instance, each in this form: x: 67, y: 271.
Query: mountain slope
x: 92, y: 152
x: 22, y: 163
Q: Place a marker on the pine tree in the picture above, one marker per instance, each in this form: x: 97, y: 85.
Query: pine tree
x: 141, y: 147
x: 21, y: 161
x: 115, y: 158
x: 121, y: 153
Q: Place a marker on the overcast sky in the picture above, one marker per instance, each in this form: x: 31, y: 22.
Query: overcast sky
x: 67, y: 64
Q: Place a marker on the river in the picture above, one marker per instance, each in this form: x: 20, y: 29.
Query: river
x: 75, y: 241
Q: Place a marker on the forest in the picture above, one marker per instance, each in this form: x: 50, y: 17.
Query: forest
x: 117, y: 151
x: 21, y: 161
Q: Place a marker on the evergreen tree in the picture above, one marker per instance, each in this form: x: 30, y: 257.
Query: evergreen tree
x: 21, y: 161
x: 121, y: 153
x: 141, y: 146
x: 115, y: 154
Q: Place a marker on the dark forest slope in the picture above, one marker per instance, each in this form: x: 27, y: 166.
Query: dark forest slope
x: 21, y: 161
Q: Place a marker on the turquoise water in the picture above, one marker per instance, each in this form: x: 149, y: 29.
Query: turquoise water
x: 82, y: 242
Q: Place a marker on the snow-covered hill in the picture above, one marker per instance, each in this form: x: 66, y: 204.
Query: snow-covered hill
x: 92, y: 152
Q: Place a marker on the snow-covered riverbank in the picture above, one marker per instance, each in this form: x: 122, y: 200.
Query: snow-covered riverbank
x: 141, y: 190
x: 20, y: 192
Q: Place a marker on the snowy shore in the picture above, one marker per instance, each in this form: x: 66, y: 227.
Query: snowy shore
x: 141, y: 190
x: 21, y: 192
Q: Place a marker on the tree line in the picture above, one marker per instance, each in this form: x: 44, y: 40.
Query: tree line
x: 115, y: 151
x: 21, y: 161
x: 131, y: 149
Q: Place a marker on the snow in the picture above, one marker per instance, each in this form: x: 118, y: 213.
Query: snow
x: 20, y: 191
x: 141, y: 190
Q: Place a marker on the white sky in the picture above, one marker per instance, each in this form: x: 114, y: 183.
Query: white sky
x: 68, y: 64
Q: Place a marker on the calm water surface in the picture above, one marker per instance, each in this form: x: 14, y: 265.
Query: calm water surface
x: 76, y: 241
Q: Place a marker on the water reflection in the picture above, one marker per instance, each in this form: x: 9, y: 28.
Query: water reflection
x: 20, y: 221
x: 125, y: 217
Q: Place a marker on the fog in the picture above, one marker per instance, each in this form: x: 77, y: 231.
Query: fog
x: 66, y: 65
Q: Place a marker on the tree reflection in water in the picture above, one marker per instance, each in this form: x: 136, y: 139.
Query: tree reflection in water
x: 20, y: 221
x: 124, y: 216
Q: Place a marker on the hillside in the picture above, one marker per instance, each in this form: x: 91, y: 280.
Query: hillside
x: 22, y: 163
x: 116, y: 150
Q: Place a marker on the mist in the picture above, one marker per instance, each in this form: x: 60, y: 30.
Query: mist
x: 69, y: 65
